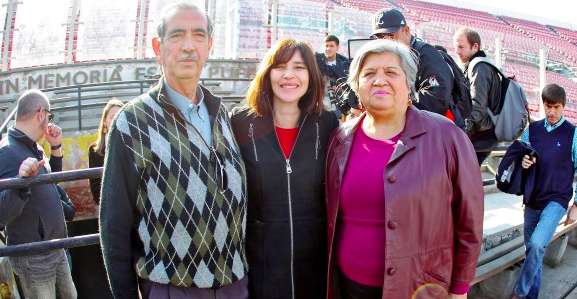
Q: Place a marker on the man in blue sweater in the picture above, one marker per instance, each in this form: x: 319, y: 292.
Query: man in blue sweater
x: 554, y: 139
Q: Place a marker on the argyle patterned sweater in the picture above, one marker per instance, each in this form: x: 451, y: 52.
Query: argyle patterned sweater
x: 173, y: 209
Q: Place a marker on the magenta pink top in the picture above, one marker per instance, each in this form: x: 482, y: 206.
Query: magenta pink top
x: 360, y: 248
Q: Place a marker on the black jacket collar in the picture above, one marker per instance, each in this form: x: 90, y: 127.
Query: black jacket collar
x: 21, y: 137
x: 479, y: 53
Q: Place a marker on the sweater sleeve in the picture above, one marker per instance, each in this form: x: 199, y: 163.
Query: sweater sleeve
x: 96, y: 183
x: 117, y: 217
x: 525, y: 137
x: 56, y: 164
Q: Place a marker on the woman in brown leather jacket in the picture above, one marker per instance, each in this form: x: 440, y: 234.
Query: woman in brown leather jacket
x: 404, y: 190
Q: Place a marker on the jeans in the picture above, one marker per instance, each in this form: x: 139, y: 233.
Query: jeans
x: 44, y: 276
x: 539, y: 228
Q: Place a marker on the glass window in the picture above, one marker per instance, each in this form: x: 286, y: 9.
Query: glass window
x: 107, y: 29
x: 38, y: 39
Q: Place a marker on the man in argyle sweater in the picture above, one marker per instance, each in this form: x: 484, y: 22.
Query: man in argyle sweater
x: 173, y: 207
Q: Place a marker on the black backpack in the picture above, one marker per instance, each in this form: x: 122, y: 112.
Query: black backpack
x: 461, y: 104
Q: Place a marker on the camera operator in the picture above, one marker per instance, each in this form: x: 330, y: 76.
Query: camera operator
x: 335, y: 68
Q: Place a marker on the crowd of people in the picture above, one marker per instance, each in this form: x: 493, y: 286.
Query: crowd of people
x: 278, y: 198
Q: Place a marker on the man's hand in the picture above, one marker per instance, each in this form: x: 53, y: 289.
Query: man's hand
x: 571, y: 215
x: 30, y: 167
x: 454, y: 296
x: 53, y: 134
x: 528, y: 161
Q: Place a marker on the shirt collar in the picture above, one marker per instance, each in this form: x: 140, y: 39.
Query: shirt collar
x: 551, y: 127
x: 182, y: 102
x: 24, y: 139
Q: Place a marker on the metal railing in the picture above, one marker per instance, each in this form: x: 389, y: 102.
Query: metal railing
x: 4, y: 125
x: 490, y: 263
x: 51, y: 178
x: 98, y: 87
x: 79, y: 93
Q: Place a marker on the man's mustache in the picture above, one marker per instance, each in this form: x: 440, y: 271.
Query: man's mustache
x: 192, y: 57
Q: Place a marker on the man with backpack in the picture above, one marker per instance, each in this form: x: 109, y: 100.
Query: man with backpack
x: 485, y: 88
x: 434, y: 82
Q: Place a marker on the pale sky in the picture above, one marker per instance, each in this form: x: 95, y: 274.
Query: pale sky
x: 552, y: 12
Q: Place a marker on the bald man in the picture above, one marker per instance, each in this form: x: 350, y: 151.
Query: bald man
x: 34, y: 214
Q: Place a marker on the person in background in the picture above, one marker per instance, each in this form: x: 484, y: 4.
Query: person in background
x: 434, y: 81
x: 404, y: 191
x: 283, y: 133
x: 485, y: 84
x: 35, y: 213
x: 97, y: 150
x: 555, y: 143
x: 334, y: 68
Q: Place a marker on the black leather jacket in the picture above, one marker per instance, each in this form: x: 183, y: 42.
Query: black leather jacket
x: 286, y: 222
x: 485, y: 92
x: 434, y: 82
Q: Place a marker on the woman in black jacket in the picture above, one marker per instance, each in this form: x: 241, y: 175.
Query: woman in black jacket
x: 283, y: 134
x: 97, y: 149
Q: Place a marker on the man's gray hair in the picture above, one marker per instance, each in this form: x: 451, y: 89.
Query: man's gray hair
x: 407, y: 57
x: 29, y: 103
x: 172, y: 9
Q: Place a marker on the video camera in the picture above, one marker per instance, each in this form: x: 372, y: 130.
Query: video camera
x: 342, y: 96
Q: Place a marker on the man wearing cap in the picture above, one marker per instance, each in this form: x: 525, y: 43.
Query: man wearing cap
x: 434, y: 78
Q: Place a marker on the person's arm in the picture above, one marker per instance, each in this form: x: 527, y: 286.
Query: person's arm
x: 525, y: 136
x: 572, y: 213
x: 435, y: 84
x: 480, y: 87
x: 117, y: 217
x: 467, y: 213
x: 54, y: 137
x: 67, y: 205
x: 13, y: 201
x: 96, y: 183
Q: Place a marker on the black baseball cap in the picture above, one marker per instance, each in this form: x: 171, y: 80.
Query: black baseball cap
x: 388, y: 21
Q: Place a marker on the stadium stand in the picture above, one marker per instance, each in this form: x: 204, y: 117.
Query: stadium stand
x: 246, y: 29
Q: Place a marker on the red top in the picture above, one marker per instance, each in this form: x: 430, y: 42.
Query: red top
x: 286, y: 138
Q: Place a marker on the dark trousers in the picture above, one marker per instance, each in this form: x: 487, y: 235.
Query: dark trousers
x: 483, y: 142
x: 153, y: 290
x: 353, y: 290
x: 481, y: 156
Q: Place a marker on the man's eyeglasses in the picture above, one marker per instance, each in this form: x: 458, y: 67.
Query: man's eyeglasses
x: 49, y: 114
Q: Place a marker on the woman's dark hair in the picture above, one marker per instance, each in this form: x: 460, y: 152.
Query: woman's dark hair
x: 259, y: 96
x: 102, y: 129
x: 553, y: 94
